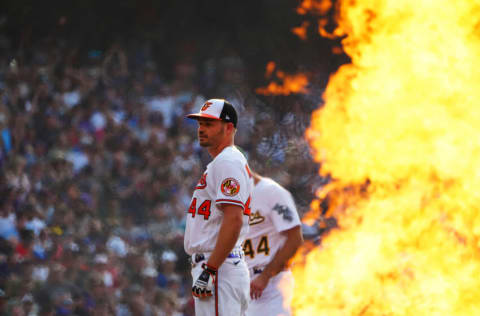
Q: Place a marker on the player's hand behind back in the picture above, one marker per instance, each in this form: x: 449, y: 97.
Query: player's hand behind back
x: 257, y: 285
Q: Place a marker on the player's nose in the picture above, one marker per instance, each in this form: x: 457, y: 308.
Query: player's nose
x: 201, y: 130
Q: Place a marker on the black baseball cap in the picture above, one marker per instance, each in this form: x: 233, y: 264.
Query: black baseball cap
x: 217, y: 109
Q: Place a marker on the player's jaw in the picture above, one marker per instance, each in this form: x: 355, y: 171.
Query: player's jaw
x: 203, y: 140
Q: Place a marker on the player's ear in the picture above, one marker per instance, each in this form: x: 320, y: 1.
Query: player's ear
x: 230, y: 126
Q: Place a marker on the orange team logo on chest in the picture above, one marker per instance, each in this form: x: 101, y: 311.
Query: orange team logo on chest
x: 205, y: 106
x: 202, y: 183
x: 230, y: 187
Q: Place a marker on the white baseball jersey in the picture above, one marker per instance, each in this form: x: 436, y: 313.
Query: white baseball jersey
x: 272, y: 212
x: 227, y: 180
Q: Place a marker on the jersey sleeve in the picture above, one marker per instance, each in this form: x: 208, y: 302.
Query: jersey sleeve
x: 283, y: 213
x: 231, y: 181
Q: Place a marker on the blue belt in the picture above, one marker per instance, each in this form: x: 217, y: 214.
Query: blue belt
x: 199, y: 257
x: 236, y: 254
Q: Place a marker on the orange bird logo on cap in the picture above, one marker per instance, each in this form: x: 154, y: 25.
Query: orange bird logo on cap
x: 206, y: 106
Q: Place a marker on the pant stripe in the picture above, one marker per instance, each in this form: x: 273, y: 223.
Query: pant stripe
x: 216, y: 294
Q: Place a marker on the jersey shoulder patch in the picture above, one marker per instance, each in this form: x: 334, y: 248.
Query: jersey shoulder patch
x: 230, y: 187
x: 284, y: 211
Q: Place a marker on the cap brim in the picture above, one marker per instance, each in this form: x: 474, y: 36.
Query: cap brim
x: 198, y: 115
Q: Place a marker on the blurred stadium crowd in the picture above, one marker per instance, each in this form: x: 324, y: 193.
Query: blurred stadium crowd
x: 98, y: 164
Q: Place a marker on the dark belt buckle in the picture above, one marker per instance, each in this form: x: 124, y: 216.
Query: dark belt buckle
x: 199, y: 257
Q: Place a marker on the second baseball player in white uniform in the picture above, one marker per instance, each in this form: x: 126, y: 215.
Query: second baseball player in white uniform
x: 274, y: 237
x: 217, y: 219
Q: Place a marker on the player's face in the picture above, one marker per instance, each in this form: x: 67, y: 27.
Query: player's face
x: 210, y: 132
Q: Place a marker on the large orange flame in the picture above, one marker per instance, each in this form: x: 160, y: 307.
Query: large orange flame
x: 400, y: 135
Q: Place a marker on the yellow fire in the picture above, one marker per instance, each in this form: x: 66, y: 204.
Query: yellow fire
x: 400, y: 135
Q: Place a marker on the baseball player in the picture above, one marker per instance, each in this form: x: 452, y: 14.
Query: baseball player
x: 274, y: 237
x: 217, y: 219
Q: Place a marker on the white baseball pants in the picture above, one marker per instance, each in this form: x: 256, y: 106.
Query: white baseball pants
x: 233, y: 293
x: 274, y: 302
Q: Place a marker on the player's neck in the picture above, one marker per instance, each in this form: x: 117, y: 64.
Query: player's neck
x: 215, y: 150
